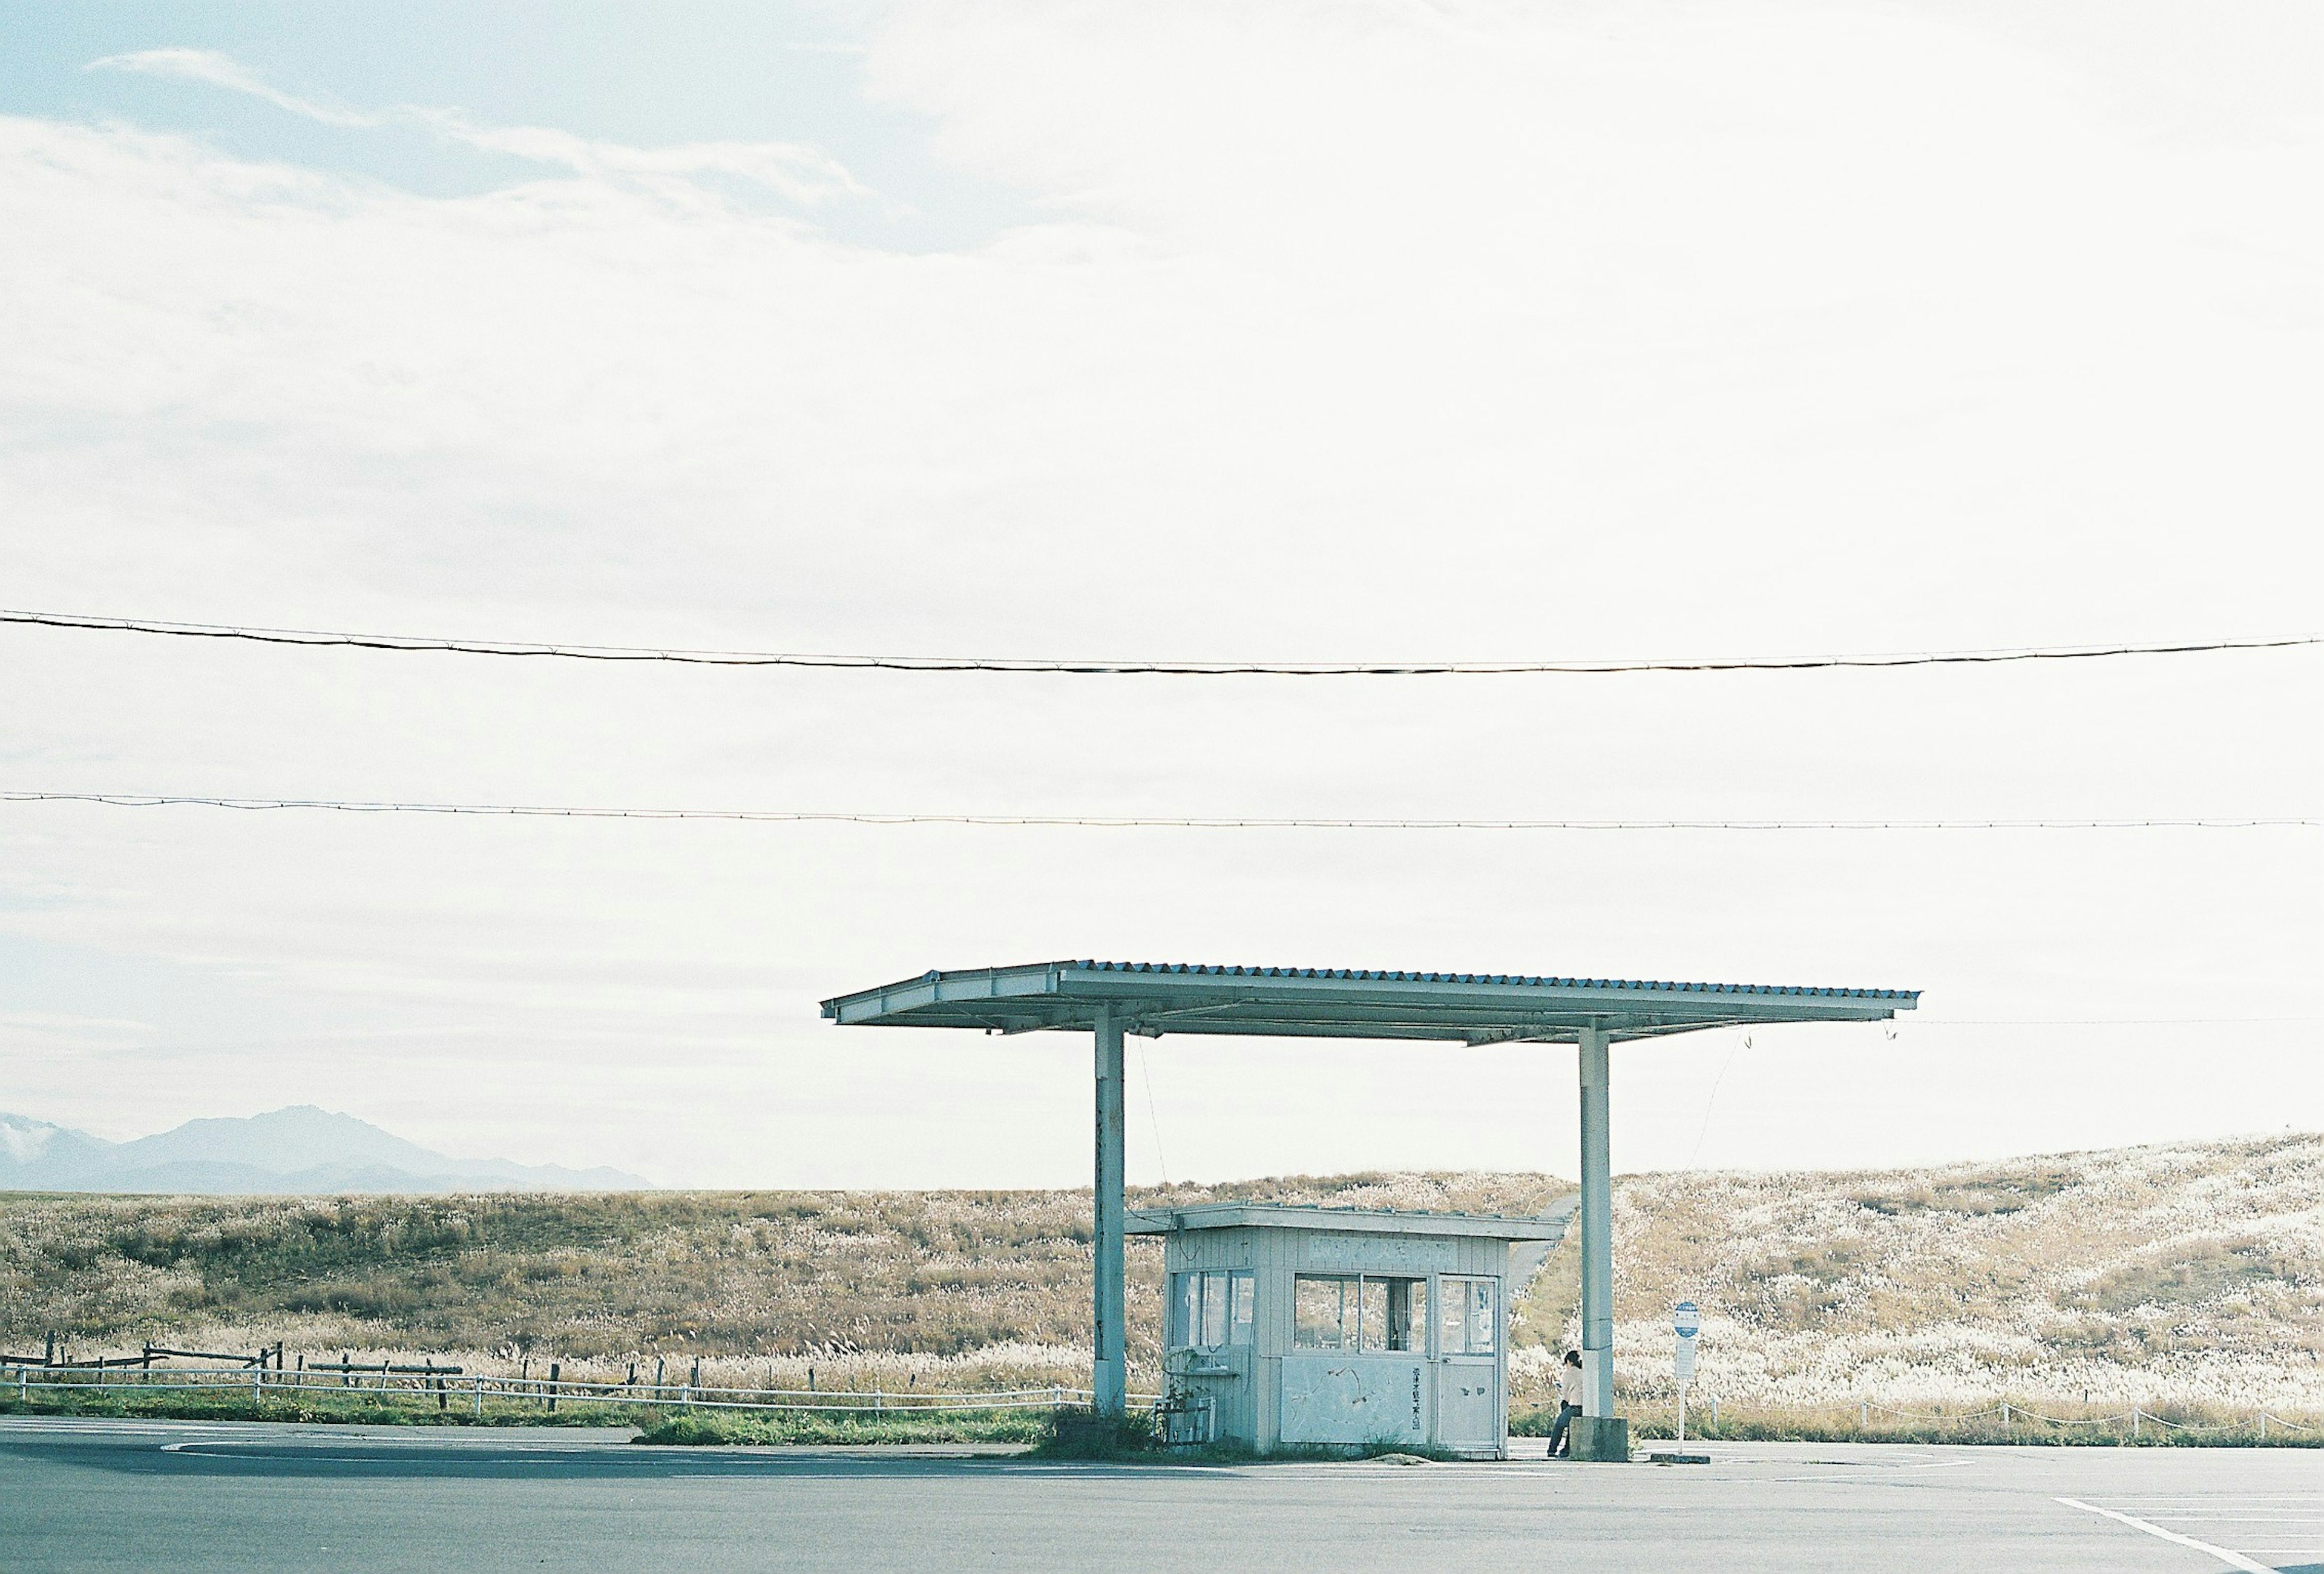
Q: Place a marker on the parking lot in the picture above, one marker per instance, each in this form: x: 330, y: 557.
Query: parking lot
x: 78, y: 1494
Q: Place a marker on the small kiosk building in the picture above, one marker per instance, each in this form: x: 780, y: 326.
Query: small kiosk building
x: 1339, y: 1327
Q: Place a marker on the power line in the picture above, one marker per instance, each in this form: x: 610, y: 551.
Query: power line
x: 1126, y: 821
x: 1920, y: 1026
x: 415, y: 644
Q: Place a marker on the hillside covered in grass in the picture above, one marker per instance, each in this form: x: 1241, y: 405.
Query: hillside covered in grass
x: 2184, y: 1273
x: 2190, y: 1273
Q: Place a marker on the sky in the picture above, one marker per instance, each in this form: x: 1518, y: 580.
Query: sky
x: 1208, y: 331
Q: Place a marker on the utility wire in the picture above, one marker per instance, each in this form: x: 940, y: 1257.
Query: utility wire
x: 1146, y: 1072
x: 1128, y: 821
x: 1712, y: 1102
x: 1920, y: 1025
x: 1112, y: 667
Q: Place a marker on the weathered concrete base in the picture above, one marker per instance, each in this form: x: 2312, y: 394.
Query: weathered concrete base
x: 1600, y: 1438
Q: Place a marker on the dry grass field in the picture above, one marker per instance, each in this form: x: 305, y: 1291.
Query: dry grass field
x: 2185, y: 1275
x: 2189, y: 1274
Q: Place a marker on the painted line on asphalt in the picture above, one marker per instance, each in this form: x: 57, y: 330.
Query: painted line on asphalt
x: 43, y: 1431
x: 2267, y: 1515
x: 663, y: 1467
x: 262, y: 1451
x: 2232, y: 1560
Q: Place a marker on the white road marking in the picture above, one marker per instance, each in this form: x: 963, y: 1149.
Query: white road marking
x: 222, y: 1448
x: 2232, y: 1560
x: 274, y: 1453
x: 2286, y: 1523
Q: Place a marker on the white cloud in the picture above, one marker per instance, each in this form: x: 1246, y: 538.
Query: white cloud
x: 801, y: 175
x: 219, y: 70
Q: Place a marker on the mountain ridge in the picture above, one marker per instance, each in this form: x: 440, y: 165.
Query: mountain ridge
x: 300, y: 1150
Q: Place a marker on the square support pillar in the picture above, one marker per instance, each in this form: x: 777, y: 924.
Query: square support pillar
x: 1597, y: 1231
x: 1109, y: 1366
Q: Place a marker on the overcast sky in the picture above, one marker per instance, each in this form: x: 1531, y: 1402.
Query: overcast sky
x: 1196, y: 331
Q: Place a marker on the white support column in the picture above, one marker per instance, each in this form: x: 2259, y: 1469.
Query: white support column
x: 1110, y: 1365
x: 1597, y: 1231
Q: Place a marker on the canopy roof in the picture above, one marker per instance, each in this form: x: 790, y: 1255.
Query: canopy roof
x: 1152, y: 998
x: 1491, y: 1227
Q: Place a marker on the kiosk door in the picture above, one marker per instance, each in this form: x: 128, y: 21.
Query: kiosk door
x: 1469, y: 1414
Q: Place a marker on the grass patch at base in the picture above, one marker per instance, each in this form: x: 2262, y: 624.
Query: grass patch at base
x: 1078, y: 1433
x: 746, y: 1429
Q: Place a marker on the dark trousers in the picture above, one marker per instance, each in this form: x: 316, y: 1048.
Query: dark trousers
x: 1565, y: 1414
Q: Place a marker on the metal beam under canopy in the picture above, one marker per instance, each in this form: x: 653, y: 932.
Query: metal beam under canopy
x: 1111, y: 999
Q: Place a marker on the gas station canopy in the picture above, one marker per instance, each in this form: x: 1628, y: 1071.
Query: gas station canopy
x: 1111, y: 999
x: 1152, y: 998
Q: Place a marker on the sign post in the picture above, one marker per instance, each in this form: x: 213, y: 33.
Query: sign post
x: 1686, y: 1321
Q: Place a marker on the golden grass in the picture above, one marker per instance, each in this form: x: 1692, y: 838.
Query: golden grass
x: 2188, y: 1274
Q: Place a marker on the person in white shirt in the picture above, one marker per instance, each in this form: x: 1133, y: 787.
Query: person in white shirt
x: 1569, y: 1402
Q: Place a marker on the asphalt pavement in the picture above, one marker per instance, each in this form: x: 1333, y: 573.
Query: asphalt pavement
x: 94, y: 1494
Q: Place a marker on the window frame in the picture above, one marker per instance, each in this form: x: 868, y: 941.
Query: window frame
x: 1467, y: 1283
x: 1353, y: 1324
x: 1188, y: 1302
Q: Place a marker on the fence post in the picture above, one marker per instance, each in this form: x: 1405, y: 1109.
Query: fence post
x: 2004, y: 1417
x: 1864, y: 1417
x: 2263, y: 1426
x: 2134, y: 1421
x: 554, y: 1368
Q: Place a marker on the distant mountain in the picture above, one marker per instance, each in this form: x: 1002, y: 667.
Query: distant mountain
x: 287, y: 1152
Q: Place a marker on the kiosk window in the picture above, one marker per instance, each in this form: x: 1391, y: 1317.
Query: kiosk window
x: 1372, y: 1319
x: 1408, y: 1314
x: 1214, y: 1311
x: 1472, y: 1319
x: 1211, y: 1309
x: 1352, y: 1311
x: 1323, y: 1311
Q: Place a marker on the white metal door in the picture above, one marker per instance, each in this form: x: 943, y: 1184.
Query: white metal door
x: 1467, y: 1403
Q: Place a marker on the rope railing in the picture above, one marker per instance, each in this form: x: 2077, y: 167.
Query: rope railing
x: 445, y: 1383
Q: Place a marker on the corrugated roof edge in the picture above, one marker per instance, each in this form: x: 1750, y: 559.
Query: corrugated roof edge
x: 1167, y: 1217
x: 1404, y: 976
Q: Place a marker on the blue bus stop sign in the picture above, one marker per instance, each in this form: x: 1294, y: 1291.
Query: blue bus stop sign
x: 1686, y: 1318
